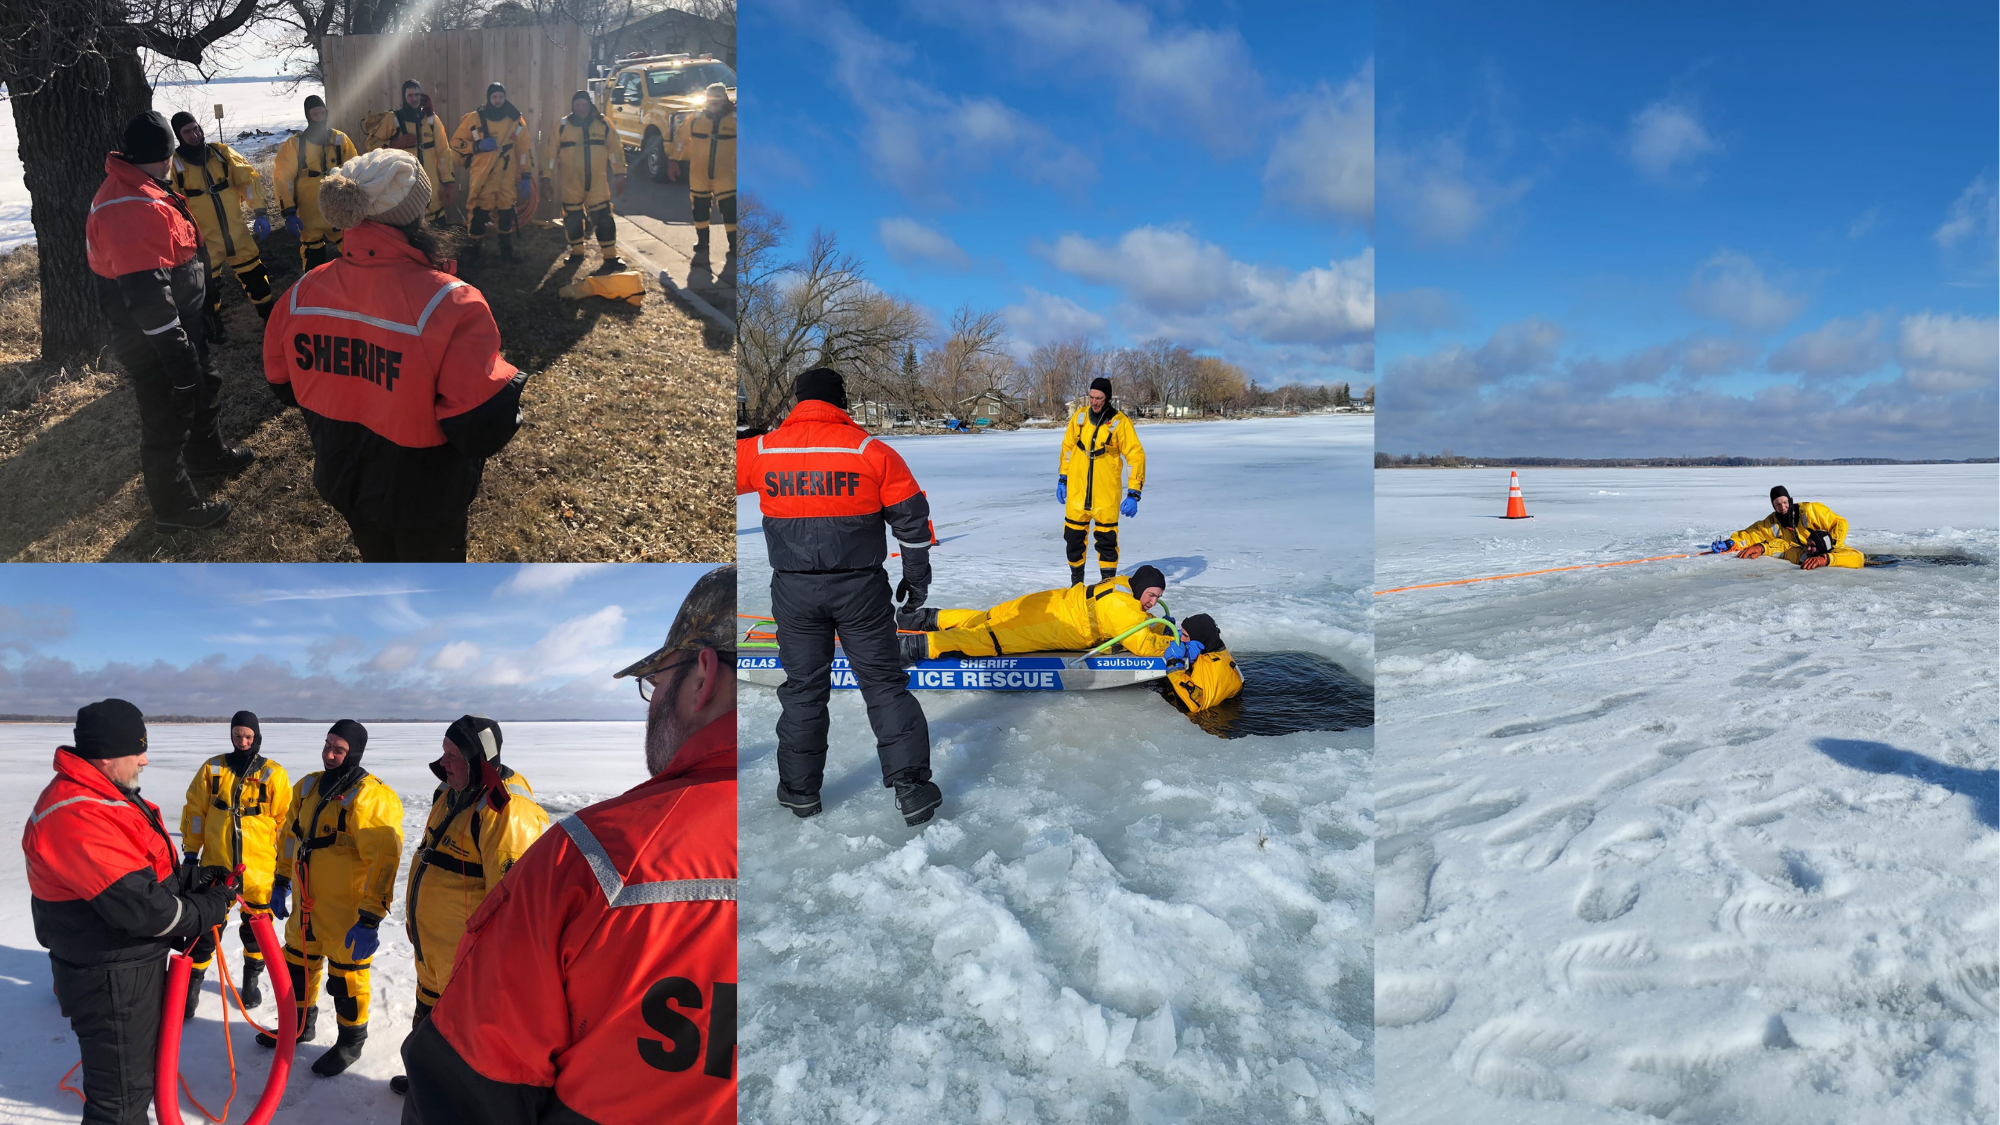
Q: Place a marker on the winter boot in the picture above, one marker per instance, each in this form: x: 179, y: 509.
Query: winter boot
x: 212, y: 327
x: 916, y: 648
x: 1076, y: 575
x: 231, y: 460
x: 507, y: 248
x: 344, y: 1051
x: 1106, y: 573
x: 400, y: 1085
x: 251, y: 992
x: 204, y: 515
x: 701, y: 245
x: 575, y: 259
x: 802, y: 807
x: 308, y: 1030
x: 194, y: 993
x: 924, y: 620
x: 613, y: 264
x: 918, y: 801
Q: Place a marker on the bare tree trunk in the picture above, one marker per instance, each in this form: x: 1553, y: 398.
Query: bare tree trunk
x: 66, y: 127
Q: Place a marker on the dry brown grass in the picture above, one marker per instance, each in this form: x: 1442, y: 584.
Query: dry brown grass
x: 625, y: 453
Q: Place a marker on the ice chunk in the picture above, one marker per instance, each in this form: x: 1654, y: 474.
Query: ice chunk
x: 1292, y: 1075
x: 1153, y: 1042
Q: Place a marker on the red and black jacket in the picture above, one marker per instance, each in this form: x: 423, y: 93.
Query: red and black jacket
x: 825, y: 487
x: 101, y: 870
x: 597, y: 982
x: 397, y: 367
x: 152, y: 282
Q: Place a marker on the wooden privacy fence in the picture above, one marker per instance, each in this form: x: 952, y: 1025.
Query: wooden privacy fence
x: 541, y: 67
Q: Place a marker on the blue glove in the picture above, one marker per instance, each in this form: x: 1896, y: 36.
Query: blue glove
x: 524, y: 187
x: 1130, y: 507
x: 281, y: 898
x: 293, y: 224
x: 1188, y: 650
x: 262, y: 227
x: 1062, y: 490
x: 486, y: 144
x: 362, y: 938
x: 192, y: 859
x: 1721, y: 545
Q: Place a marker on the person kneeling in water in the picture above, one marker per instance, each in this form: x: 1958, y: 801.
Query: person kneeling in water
x: 1208, y: 675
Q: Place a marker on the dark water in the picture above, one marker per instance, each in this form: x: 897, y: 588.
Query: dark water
x: 1940, y: 558
x: 1284, y: 692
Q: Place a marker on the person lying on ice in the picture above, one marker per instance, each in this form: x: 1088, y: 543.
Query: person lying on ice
x: 1207, y: 675
x: 1067, y: 620
x: 1808, y: 533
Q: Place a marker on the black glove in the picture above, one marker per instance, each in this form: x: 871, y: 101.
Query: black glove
x: 211, y: 906
x: 910, y: 595
x: 213, y: 876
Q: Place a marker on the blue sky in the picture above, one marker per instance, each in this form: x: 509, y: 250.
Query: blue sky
x: 1102, y: 167
x: 1762, y: 230
x: 323, y: 641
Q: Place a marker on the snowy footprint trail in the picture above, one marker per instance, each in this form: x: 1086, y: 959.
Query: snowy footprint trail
x: 1705, y: 840
x: 1118, y: 916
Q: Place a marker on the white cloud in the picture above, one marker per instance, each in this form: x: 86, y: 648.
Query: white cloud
x: 1324, y: 164
x: 1440, y: 194
x: 579, y: 645
x: 1946, y: 354
x: 1835, y: 350
x: 546, y: 578
x: 454, y: 656
x: 1667, y: 135
x: 1043, y: 318
x: 1171, y: 274
x: 1419, y: 310
x: 1729, y: 287
x: 1454, y: 374
x: 394, y: 658
x: 909, y: 242
x: 24, y: 628
x: 1864, y: 222
x: 1971, y: 214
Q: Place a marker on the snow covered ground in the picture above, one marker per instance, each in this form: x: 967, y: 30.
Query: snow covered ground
x: 569, y: 764
x: 1117, y: 917
x: 1708, y: 840
x: 258, y: 114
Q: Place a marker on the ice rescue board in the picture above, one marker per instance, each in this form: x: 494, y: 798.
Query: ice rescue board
x: 1033, y: 671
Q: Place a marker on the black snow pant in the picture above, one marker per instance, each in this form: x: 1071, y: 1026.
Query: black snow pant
x: 445, y: 543
x: 809, y: 609
x: 115, y: 1012
x: 598, y: 219
x: 164, y: 432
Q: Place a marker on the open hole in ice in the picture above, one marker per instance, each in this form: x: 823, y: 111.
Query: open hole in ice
x: 1285, y: 692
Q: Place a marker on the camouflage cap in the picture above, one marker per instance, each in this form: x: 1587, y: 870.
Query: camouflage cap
x: 707, y: 619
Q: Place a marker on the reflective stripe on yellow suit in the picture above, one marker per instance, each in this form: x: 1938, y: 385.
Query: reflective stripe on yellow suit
x: 297, y: 171
x: 1789, y: 543
x: 1092, y: 460
x: 468, y: 850
x: 351, y: 869
x: 1067, y: 620
x: 708, y: 144
x: 433, y: 150
x: 582, y: 159
x: 1213, y: 679
x: 231, y: 820
x: 489, y: 178
x: 216, y: 192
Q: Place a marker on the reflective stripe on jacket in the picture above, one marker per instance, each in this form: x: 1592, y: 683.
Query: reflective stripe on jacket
x: 1092, y: 459
x: 467, y: 846
x: 598, y: 981
x: 151, y: 280
x: 826, y: 487
x: 228, y: 820
x: 349, y: 843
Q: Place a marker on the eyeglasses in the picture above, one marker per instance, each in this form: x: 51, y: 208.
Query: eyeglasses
x: 646, y: 685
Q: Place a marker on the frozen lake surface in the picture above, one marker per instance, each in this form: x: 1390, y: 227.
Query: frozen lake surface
x: 1118, y: 916
x: 570, y: 765
x: 1705, y: 840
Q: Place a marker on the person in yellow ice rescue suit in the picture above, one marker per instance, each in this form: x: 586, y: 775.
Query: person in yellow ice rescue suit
x: 302, y: 162
x: 1096, y: 446
x: 341, y: 849
x: 483, y: 817
x: 588, y: 160
x: 216, y: 181
x: 1809, y: 534
x: 499, y: 157
x: 1207, y: 675
x: 1071, y: 619
x: 236, y: 806
x: 709, y: 147
x: 415, y: 128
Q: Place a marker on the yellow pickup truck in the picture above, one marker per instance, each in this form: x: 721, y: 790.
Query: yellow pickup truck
x: 649, y: 100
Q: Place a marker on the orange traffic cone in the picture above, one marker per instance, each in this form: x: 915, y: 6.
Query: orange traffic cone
x: 1517, y: 509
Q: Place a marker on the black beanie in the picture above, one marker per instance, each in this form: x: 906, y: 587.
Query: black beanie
x: 247, y: 719
x: 1101, y: 384
x: 1147, y: 577
x: 313, y: 102
x: 109, y: 728
x: 357, y: 739
x: 1202, y: 628
x: 1778, y: 490
x: 410, y: 84
x: 492, y: 86
x: 478, y: 738
x: 180, y: 119
x: 822, y: 384
x: 148, y: 139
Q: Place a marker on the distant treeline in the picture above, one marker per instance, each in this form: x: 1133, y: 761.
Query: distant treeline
x: 1450, y: 460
